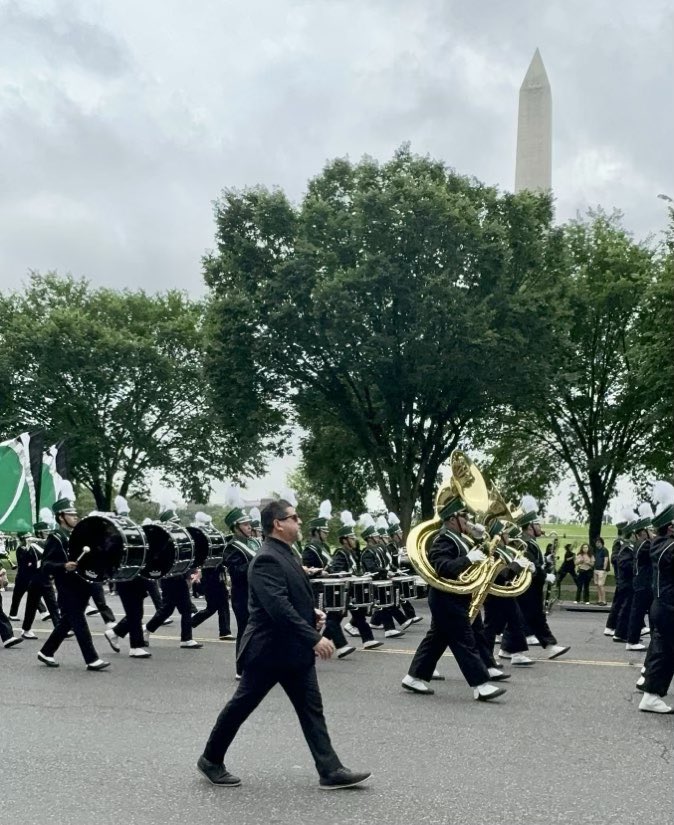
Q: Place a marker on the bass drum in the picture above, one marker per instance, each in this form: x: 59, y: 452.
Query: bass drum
x: 170, y: 550
x: 209, y: 545
x: 116, y: 547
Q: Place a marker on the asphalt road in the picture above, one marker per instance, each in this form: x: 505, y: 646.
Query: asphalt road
x: 565, y: 744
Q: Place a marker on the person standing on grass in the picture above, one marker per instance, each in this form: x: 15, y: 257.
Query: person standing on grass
x: 584, y: 566
x: 601, y: 565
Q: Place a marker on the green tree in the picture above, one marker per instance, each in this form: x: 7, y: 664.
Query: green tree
x: 594, y: 416
x: 396, y: 300
x: 118, y: 374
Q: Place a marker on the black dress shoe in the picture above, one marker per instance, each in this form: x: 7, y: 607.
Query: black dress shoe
x: 217, y: 774
x: 343, y: 778
x: 501, y: 678
x: 99, y: 664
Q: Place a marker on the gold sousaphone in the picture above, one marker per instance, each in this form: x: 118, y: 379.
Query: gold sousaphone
x: 477, y: 581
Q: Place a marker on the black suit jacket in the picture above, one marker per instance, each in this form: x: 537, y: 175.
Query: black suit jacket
x: 281, y: 625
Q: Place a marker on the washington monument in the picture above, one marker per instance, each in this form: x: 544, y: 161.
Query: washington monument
x: 533, y: 169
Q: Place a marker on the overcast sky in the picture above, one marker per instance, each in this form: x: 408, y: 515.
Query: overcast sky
x: 121, y: 121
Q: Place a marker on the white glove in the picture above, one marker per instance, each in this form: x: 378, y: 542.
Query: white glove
x: 475, y: 556
x: 550, y: 578
x: 525, y: 564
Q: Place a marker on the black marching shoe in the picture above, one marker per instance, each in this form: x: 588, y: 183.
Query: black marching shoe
x: 217, y: 774
x: 99, y: 664
x: 343, y: 778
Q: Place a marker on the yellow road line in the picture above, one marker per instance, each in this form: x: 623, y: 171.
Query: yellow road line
x: 396, y: 650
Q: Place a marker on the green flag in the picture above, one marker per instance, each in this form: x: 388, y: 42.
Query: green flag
x: 18, y: 501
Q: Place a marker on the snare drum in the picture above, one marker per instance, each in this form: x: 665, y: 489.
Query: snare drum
x: 209, y: 545
x: 405, y: 588
x: 117, y: 547
x: 383, y: 594
x: 170, y: 550
x: 360, y: 593
x: 335, y: 595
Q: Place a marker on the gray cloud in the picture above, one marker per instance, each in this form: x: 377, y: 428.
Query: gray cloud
x: 120, y: 122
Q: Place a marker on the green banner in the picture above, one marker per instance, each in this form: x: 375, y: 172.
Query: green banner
x: 17, y: 490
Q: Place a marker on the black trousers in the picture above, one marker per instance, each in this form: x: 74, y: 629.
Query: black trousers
x: 132, y: 595
x: 217, y: 601
x: 533, y: 614
x: 154, y: 593
x: 301, y: 687
x: 641, y: 604
x: 6, y: 629
x: 333, y: 628
x: 385, y: 616
x: 503, y: 616
x: 21, y: 583
x: 73, y: 599
x: 562, y: 573
x: 450, y: 628
x: 622, y: 594
x: 240, y: 608
x: 175, y: 596
x: 660, y: 659
x: 98, y: 596
x: 359, y: 621
x: 623, y: 616
x: 583, y: 579
x: 408, y: 609
x: 40, y: 594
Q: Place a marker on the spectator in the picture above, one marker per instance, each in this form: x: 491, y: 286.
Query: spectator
x: 567, y: 568
x: 601, y: 565
x: 584, y: 567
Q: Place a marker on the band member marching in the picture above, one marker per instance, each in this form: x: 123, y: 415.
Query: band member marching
x: 316, y: 560
x: 642, y: 589
x: 374, y: 562
x: 215, y: 590
x: 393, y: 547
x: 345, y: 563
x: 73, y: 591
x: 659, y: 665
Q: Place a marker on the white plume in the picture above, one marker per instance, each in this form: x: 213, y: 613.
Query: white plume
x: 365, y: 520
x: 381, y: 523
x: 146, y: 521
x: 233, y: 496
x: 627, y: 514
x: 393, y: 520
x: 122, y: 505
x: 346, y: 517
x: 255, y: 513
x: 645, y: 510
x: 289, y: 495
x: 66, y: 490
x: 202, y: 518
x: 528, y: 504
x: 46, y: 515
x: 325, y: 510
x: 663, y: 495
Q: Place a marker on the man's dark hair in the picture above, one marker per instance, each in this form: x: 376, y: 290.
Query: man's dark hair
x: 272, y: 511
x: 599, y: 538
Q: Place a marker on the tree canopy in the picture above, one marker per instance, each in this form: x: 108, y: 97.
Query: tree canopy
x: 119, y: 375
x: 395, y: 303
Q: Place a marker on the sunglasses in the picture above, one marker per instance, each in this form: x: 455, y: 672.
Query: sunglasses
x: 294, y: 517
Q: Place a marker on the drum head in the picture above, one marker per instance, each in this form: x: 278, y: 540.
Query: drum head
x: 171, y: 550
x: 104, y: 537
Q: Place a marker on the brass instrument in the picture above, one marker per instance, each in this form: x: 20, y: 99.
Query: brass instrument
x: 467, y: 483
x: 498, y: 509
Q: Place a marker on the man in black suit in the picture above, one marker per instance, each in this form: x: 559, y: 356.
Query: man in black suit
x: 279, y: 646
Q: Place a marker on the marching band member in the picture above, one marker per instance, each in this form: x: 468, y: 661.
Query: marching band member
x: 40, y: 590
x: 7, y: 636
x: 316, y: 560
x: 622, y: 560
x: 344, y: 563
x: 255, y: 525
x: 531, y: 601
x: 450, y: 626
x: 214, y: 589
x: 239, y: 551
x: 642, y: 590
x: 659, y: 666
x: 374, y: 562
x: 395, y: 542
x: 73, y: 591
x: 28, y: 555
x: 175, y: 593
x: 132, y: 594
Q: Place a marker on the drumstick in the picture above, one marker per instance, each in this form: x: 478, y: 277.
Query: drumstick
x: 84, y: 552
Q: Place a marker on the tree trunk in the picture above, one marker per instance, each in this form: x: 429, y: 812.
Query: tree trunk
x: 99, y: 496
x: 597, y: 507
